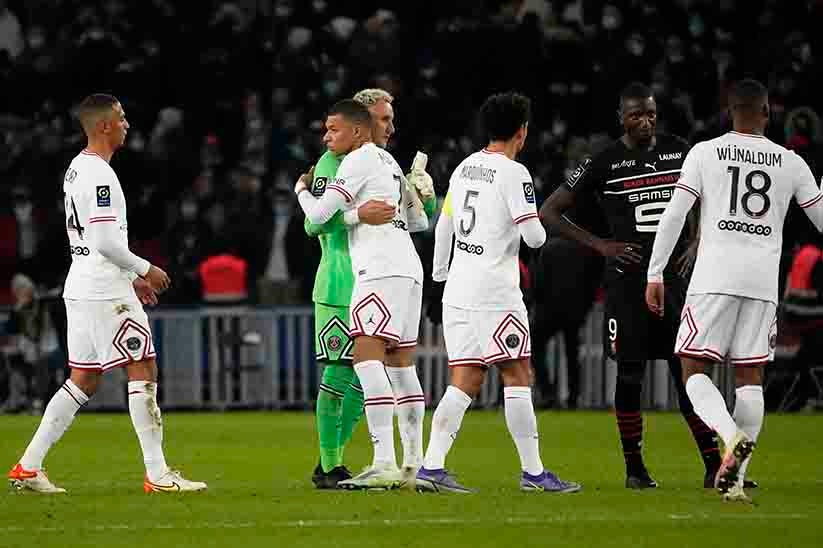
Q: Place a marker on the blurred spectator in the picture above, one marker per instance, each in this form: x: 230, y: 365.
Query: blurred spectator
x: 11, y: 33
x: 218, y: 89
x: 278, y: 284
x: 38, y: 356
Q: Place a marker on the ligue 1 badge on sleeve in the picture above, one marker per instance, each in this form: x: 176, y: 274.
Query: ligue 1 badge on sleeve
x: 103, y: 196
x: 318, y: 187
x: 528, y: 191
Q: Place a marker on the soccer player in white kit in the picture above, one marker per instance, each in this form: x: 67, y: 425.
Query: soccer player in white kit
x: 387, y: 292
x: 489, y: 207
x: 104, y: 294
x: 744, y: 183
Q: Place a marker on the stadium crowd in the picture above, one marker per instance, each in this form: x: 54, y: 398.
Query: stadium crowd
x: 226, y: 104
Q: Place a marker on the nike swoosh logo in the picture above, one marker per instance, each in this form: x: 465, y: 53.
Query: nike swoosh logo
x: 173, y: 487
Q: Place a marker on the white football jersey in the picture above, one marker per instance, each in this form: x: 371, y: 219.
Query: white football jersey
x: 377, y: 251
x: 745, y: 184
x: 489, y: 195
x: 93, y: 195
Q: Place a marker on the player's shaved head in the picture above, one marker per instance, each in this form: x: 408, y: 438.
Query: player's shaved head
x: 93, y: 109
x: 348, y: 126
x: 352, y: 111
x: 503, y: 114
x: 749, y: 96
x: 638, y: 115
x: 635, y: 91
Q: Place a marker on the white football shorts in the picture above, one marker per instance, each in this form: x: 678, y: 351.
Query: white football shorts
x: 103, y: 335
x: 720, y: 327
x: 481, y: 338
x: 388, y: 308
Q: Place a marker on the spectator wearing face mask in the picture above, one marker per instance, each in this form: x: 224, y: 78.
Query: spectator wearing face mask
x: 186, y: 250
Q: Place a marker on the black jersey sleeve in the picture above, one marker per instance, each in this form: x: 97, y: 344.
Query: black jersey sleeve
x: 583, y: 178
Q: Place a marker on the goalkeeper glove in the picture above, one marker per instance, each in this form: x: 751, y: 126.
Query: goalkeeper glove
x: 422, y: 181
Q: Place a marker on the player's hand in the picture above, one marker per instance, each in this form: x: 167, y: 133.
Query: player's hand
x: 685, y: 263
x: 304, y: 181
x: 144, y: 292
x: 157, y: 279
x: 376, y: 212
x: 421, y: 181
x: 624, y: 252
x: 434, y: 305
x: 654, y: 298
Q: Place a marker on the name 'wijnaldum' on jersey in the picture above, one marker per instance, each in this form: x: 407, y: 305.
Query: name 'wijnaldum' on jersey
x: 736, y: 154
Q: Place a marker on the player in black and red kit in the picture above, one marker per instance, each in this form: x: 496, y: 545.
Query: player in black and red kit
x: 633, y: 180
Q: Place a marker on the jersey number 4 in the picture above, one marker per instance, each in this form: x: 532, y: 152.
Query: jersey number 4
x: 72, y: 219
x: 755, y: 201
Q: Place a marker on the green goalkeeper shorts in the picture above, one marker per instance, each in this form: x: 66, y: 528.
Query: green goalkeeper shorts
x: 331, y: 326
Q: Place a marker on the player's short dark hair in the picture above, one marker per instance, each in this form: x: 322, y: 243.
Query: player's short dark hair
x: 90, y: 109
x: 503, y: 114
x: 351, y: 110
x: 748, y: 94
x: 635, y: 90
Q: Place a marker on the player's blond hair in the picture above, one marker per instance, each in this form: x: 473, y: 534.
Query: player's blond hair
x: 371, y: 96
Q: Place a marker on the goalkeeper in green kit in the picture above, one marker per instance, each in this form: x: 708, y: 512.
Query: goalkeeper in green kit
x: 340, y: 398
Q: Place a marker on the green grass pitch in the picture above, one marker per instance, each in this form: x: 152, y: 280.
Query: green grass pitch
x: 258, y: 467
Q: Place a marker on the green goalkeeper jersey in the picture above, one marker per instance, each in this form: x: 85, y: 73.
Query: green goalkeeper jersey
x: 334, y: 279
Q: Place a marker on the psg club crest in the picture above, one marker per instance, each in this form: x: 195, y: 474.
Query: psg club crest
x: 133, y: 343
x: 335, y: 343
x: 512, y: 341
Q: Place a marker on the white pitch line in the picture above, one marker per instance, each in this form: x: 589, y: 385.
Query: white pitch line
x: 320, y: 524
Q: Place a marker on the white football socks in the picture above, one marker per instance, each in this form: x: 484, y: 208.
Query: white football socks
x: 522, y: 423
x: 148, y: 424
x: 445, y: 425
x: 749, y: 410
x: 710, y: 406
x: 411, y: 410
x: 57, y: 418
x: 379, y: 407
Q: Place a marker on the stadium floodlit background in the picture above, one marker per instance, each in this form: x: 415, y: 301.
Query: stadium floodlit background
x: 226, y: 104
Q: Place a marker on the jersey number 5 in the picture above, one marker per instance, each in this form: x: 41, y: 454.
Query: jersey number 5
x: 760, y: 206
x: 468, y: 209
x: 73, y: 220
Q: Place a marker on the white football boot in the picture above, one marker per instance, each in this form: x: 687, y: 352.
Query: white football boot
x: 374, y: 477
x: 32, y: 480
x: 172, y: 482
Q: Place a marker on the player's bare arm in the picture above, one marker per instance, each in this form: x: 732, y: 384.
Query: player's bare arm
x: 376, y: 212
x: 654, y: 297
x: 552, y: 215
x: 144, y: 292
x: 157, y: 279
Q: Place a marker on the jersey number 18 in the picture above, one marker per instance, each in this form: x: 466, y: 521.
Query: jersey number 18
x: 750, y: 207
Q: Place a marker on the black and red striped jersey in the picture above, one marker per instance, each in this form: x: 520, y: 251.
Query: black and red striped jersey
x: 633, y: 187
